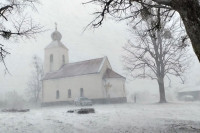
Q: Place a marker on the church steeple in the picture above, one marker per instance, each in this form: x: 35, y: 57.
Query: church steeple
x: 56, y: 53
x: 56, y: 35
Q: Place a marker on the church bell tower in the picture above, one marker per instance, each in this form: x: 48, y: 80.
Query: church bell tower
x: 56, y: 53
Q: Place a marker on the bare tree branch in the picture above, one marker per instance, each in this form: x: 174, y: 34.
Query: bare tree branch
x: 132, y: 10
x: 15, y: 23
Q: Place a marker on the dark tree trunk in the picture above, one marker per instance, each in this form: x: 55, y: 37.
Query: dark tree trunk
x: 162, y: 91
x: 189, y: 11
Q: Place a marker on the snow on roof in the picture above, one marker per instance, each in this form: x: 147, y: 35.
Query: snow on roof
x: 111, y: 74
x: 82, y: 68
x: 188, y: 89
x: 77, y: 68
x: 56, y: 43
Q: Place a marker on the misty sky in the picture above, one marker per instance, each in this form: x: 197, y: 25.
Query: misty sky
x: 72, y: 17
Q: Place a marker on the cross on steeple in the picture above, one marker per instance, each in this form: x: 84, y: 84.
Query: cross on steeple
x: 56, y: 26
x: 108, y: 85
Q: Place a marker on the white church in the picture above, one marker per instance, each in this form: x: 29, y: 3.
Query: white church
x: 64, y: 81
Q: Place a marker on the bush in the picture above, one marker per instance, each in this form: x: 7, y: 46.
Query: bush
x: 82, y: 111
x: 85, y: 111
x: 14, y: 101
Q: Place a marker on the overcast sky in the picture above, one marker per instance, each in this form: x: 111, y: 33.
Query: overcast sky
x: 72, y: 17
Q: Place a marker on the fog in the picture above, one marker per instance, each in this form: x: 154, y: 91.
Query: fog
x: 71, y: 23
x: 107, y: 112
x: 72, y: 17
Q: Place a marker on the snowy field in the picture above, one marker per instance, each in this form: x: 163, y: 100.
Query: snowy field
x: 116, y: 118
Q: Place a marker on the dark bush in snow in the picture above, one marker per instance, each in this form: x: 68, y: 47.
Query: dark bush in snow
x: 85, y: 111
x: 70, y: 111
x: 82, y: 111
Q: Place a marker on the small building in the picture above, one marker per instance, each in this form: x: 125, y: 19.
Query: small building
x: 64, y: 81
x: 189, y: 93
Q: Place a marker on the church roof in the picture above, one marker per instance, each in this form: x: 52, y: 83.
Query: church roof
x: 56, y: 35
x: 82, y: 68
x: 56, y: 43
x: 77, y: 68
x: 112, y: 74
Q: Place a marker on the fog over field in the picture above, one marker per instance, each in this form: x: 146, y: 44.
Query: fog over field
x: 72, y: 17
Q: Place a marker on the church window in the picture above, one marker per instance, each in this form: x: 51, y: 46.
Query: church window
x: 63, y: 59
x: 69, y: 93
x: 81, y: 92
x: 51, y: 62
x: 51, y: 58
x: 57, y: 94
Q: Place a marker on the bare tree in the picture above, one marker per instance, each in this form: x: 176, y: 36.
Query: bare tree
x: 35, y: 83
x: 15, y: 21
x: 130, y: 9
x: 156, y: 54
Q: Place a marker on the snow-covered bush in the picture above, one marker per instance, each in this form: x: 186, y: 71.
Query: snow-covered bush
x: 14, y: 100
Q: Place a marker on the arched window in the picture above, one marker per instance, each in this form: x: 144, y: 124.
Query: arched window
x: 51, y: 62
x: 51, y: 58
x: 63, y: 59
x: 81, y: 92
x: 57, y: 94
x: 69, y: 93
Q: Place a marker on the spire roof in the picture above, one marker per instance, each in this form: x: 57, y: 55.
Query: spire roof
x: 56, y: 35
x: 56, y: 39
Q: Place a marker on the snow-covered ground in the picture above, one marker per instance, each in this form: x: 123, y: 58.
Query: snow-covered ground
x: 116, y: 118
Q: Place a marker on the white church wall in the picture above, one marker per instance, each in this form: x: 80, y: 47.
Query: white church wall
x: 91, y: 84
x: 106, y: 65
x: 118, y: 84
x: 57, y: 52
x: 117, y: 87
